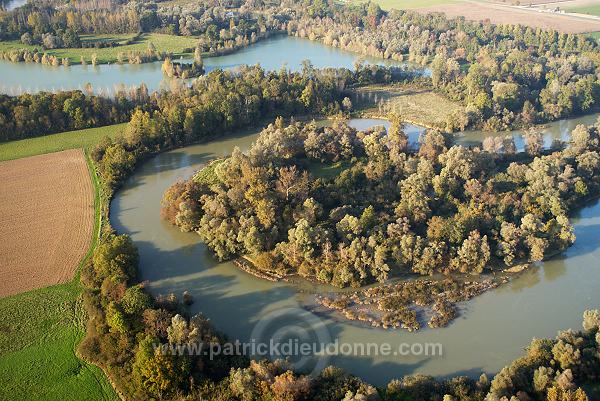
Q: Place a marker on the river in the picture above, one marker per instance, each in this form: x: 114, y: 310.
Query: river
x: 491, y: 331
x: 272, y: 54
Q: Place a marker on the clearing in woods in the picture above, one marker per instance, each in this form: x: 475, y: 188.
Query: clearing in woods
x: 47, y: 214
x: 415, y: 105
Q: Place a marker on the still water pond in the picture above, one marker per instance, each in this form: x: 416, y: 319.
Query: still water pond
x: 492, y: 329
x: 9, y: 5
x: 271, y: 54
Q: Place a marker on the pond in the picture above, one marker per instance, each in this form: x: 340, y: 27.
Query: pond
x: 491, y: 331
x: 272, y: 54
x: 9, y: 5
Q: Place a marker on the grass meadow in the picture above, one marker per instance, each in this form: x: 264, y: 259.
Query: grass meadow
x: 416, y: 105
x: 85, y: 138
x: 592, y: 9
x: 40, y: 332
x: 162, y: 42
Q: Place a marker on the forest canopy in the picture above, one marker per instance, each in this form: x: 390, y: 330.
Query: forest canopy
x: 389, y: 209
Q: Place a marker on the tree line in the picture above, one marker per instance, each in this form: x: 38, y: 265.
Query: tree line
x: 44, y: 113
x: 222, y: 101
x: 220, y: 29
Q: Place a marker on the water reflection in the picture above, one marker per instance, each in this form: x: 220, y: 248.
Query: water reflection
x: 557, y: 130
x: 271, y: 54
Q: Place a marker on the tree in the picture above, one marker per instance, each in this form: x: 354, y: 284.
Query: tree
x: 135, y: 300
x: 534, y: 142
x: 116, y: 255
x: 162, y: 374
x: 115, y: 318
x: 288, y: 387
x: 473, y: 254
x: 508, y: 247
x: 347, y: 104
x: 591, y: 320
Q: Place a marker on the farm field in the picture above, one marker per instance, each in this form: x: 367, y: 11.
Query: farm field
x: 47, y: 214
x: 502, y: 14
x: 162, y: 42
x: 414, y: 104
x: 40, y: 331
x: 85, y: 138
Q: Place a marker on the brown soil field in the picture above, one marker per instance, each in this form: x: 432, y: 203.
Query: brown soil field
x: 500, y: 14
x: 46, y: 219
x: 532, y: 2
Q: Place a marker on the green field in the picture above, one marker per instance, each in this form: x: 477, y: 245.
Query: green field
x: 590, y: 10
x: 162, y: 43
x: 594, y: 35
x: 39, y: 333
x: 85, y: 138
x: 404, y: 4
x: 41, y: 329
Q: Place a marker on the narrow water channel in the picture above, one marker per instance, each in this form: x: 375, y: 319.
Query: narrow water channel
x: 491, y: 331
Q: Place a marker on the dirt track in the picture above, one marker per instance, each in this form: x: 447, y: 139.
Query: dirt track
x: 502, y: 14
x: 46, y: 219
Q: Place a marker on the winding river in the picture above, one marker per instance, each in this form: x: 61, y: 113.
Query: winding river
x: 492, y: 329
x: 269, y: 53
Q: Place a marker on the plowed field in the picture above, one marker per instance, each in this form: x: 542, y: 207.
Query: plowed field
x: 46, y: 219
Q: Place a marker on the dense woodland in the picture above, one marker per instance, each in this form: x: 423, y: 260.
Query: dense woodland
x: 125, y: 323
x: 387, y: 211
x: 219, y: 28
x: 506, y: 76
x: 223, y: 101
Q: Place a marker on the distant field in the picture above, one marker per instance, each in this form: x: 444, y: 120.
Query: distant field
x: 591, y: 10
x: 405, y: 4
x: 503, y: 14
x: 85, y: 138
x: 39, y: 331
x: 163, y: 43
x: 47, y: 214
x: 419, y: 106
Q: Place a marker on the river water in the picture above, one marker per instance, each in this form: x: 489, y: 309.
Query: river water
x: 272, y: 54
x: 491, y: 331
